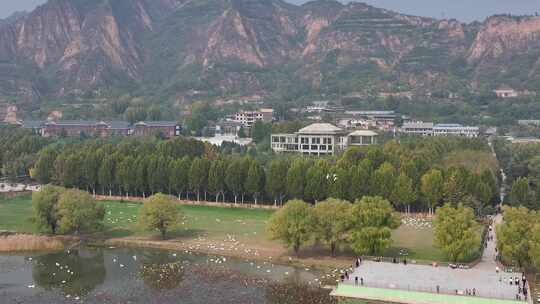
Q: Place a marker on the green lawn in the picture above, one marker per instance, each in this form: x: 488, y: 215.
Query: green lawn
x: 418, y: 243
x: 199, y: 221
x: 15, y: 214
x: 211, y: 223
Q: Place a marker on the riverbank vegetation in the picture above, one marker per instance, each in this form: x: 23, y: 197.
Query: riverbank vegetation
x: 209, y: 229
x: 29, y: 242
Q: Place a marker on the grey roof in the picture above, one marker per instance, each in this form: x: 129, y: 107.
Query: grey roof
x: 448, y: 126
x: 504, y: 87
x: 418, y: 125
x: 454, y: 126
x: 33, y: 124
x: 321, y: 128
x: 363, y: 133
x: 158, y: 123
x: 118, y: 124
x: 71, y: 123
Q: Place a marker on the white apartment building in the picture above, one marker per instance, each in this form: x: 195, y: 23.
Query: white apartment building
x: 418, y: 128
x: 455, y: 130
x: 321, y: 139
x: 248, y: 118
x: 429, y: 129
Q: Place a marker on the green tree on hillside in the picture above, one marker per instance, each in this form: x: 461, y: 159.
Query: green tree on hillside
x: 534, y: 246
x: 255, y: 180
x: 360, y: 181
x: 456, y: 232
x: 276, y: 180
x: 216, y: 178
x: 179, y: 177
x: 44, y: 208
x: 292, y: 224
x: 236, y: 177
x: 198, y: 176
x: 44, y: 168
x: 384, y: 179
x: 432, y: 188
x: 373, y: 218
x: 317, y: 179
x: 340, y: 183
x: 521, y: 194
x: 296, y: 179
x: 78, y: 212
x: 403, y: 193
x: 106, y: 174
x: 159, y: 212
x: 332, y: 222
x: 261, y: 131
x: 124, y: 175
x: 513, y: 234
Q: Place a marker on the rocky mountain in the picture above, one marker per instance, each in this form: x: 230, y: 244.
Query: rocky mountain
x: 173, y: 49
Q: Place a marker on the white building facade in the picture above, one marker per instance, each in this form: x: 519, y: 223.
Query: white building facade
x: 248, y: 118
x: 321, y: 139
x: 429, y: 129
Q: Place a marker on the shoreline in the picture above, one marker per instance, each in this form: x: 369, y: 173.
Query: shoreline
x: 13, y: 242
x: 263, y: 254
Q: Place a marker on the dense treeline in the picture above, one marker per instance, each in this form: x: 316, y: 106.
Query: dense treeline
x: 18, y: 151
x: 408, y: 174
x: 522, y: 165
x: 519, y: 237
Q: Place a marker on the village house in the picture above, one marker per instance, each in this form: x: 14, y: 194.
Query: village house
x: 505, y: 91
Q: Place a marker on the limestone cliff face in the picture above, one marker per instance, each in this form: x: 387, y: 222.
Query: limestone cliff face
x: 83, y: 43
x: 68, y: 47
x: 500, y: 36
x: 509, y: 48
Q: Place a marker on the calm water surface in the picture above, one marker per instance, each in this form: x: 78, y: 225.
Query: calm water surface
x: 125, y: 275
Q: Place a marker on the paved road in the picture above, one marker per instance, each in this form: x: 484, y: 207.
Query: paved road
x: 483, y: 277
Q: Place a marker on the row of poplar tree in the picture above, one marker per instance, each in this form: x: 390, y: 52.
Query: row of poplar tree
x: 407, y: 174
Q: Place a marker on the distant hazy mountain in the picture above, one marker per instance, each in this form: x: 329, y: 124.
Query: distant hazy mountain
x: 172, y: 49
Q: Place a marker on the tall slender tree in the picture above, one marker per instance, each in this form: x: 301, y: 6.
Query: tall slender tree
x: 255, y: 181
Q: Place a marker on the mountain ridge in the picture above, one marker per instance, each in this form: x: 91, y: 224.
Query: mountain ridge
x: 168, y: 49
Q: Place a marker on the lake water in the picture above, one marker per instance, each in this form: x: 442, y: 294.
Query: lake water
x: 126, y: 275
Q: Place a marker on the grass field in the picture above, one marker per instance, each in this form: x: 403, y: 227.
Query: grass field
x: 418, y: 243
x: 210, y: 223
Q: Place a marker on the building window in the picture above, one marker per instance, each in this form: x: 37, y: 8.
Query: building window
x: 314, y: 147
x: 305, y: 147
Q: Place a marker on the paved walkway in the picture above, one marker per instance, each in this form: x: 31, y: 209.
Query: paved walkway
x: 411, y: 297
x: 483, y: 277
